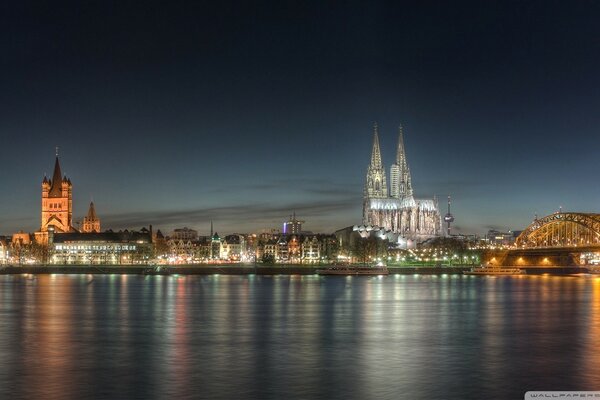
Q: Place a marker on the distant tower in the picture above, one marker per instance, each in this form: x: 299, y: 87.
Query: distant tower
x: 449, y: 218
x: 57, y: 201
x: 400, y: 183
x: 293, y: 226
x: 91, y: 222
x: 215, y: 246
x: 376, y: 186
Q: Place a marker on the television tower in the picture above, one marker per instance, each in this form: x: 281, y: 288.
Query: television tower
x: 449, y: 218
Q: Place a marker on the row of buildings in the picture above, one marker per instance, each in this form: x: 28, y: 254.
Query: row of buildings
x: 278, y: 248
x: 58, y: 241
x: 391, y: 213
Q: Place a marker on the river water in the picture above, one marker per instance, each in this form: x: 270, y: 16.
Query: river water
x: 296, y: 337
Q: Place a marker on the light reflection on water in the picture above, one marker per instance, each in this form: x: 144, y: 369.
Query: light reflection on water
x: 85, y: 336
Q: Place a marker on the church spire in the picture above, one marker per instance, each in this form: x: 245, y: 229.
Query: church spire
x: 400, y: 154
x: 376, y: 186
x: 91, y: 222
x: 375, y: 152
x: 402, y: 185
x: 92, y: 212
x: 56, y: 188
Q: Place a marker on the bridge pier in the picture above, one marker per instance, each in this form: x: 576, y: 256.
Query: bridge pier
x: 526, y: 258
x: 561, y: 257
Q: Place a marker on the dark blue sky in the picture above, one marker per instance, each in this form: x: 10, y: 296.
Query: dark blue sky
x: 175, y: 114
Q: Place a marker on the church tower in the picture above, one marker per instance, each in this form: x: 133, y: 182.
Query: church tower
x: 91, y: 222
x: 57, y: 201
x: 376, y: 186
x: 400, y: 183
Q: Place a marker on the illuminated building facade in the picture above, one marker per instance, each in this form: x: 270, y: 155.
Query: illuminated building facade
x: 184, y: 234
x: 293, y: 226
x: 234, y: 247
x: 124, y: 247
x: 216, y: 246
x: 57, y: 203
x: 181, y: 251
x: 397, y: 212
x: 21, y: 238
x: 4, y: 250
x: 311, y: 250
x: 498, y: 238
x: 300, y: 249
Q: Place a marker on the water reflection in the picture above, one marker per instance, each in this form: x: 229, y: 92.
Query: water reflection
x: 296, y: 336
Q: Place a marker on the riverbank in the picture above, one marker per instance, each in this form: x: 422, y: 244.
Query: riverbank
x: 232, y: 269
x: 237, y: 269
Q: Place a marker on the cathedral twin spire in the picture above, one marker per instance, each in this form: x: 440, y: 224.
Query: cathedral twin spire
x: 376, y: 187
x: 376, y: 152
x: 399, y: 172
x: 400, y: 181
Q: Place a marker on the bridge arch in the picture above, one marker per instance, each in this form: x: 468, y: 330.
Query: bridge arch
x: 562, y: 230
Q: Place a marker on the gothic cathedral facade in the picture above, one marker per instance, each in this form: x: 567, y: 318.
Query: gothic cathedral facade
x: 396, y: 210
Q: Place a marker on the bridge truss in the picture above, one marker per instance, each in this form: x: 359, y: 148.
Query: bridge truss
x: 562, y: 230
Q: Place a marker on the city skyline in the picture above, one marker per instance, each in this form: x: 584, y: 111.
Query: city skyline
x: 242, y: 115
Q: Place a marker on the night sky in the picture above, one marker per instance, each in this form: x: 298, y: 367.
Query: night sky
x: 175, y: 113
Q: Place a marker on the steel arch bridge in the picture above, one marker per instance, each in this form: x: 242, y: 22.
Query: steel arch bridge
x: 562, y: 230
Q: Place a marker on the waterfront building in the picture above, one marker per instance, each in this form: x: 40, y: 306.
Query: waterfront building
x: 4, y: 250
x: 123, y: 247
x: 181, y: 251
x: 497, y: 238
x: 91, y: 222
x: 216, y: 246
x: 203, y: 248
x: 161, y: 248
x: 184, y: 234
x: 294, y: 249
x: 234, y: 247
x: 21, y: 239
x: 267, y: 248
x: 311, y: 250
x: 268, y: 235
x: 282, y: 254
x: 57, y: 204
x: 23, y: 249
x: 397, y: 211
x: 299, y: 248
x: 251, y: 245
x: 328, y: 246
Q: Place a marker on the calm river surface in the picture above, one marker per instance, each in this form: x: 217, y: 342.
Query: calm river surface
x: 293, y: 337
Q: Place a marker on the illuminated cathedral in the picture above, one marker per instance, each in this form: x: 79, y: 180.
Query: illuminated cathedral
x: 396, y: 211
